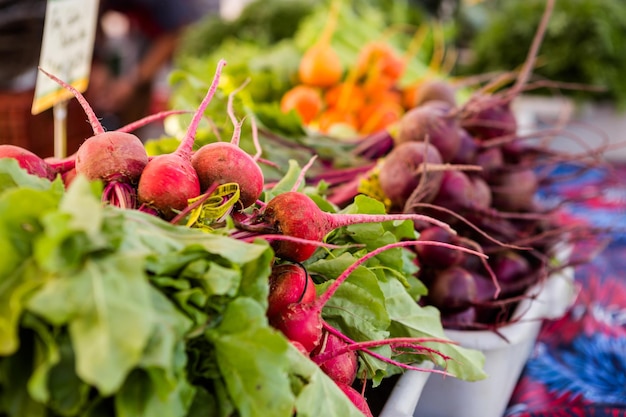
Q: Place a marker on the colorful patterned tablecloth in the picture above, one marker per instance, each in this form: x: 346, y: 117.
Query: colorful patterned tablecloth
x: 578, y: 366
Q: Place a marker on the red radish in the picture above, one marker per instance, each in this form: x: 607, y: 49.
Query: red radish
x: 302, y: 322
x: 300, y: 348
x: 169, y: 181
x: 289, y: 283
x: 406, y: 168
x: 226, y: 162
x: 295, y: 214
x: 357, y: 399
x: 28, y: 161
x: 112, y: 157
x: 435, y: 122
x: 341, y: 368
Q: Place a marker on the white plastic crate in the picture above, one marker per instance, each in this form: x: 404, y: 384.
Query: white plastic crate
x: 435, y: 395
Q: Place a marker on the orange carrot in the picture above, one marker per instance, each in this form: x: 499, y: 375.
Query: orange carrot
x: 305, y: 100
x: 320, y: 65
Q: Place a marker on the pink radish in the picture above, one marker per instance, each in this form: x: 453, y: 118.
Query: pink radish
x: 226, y: 162
x: 116, y: 158
x: 295, y: 214
x: 302, y: 322
x: 28, y: 161
x: 289, y: 283
x: 169, y: 181
x: 357, y: 399
x: 341, y: 368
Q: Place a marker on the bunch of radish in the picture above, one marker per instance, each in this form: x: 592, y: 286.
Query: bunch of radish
x: 162, y: 185
x: 295, y: 309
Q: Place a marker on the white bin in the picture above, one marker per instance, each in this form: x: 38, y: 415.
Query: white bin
x: 440, y: 396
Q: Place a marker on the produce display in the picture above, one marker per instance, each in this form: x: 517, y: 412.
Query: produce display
x: 289, y: 246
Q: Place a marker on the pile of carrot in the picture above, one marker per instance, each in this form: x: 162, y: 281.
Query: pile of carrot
x: 365, y: 97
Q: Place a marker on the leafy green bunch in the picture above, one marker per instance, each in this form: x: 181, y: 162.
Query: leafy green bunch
x: 584, y: 43
x: 114, y: 312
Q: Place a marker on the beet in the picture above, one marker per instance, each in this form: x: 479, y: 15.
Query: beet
x: 225, y: 162
x: 357, y: 399
x: 438, y: 256
x: 468, y: 149
x: 514, y: 190
x: 510, y: 266
x: 295, y: 214
x: 435, y: 122
x: 116, y: 158
x: 435, y: 90
x: 406, y: 168
x: 452, y: 289
x: 488, y: 117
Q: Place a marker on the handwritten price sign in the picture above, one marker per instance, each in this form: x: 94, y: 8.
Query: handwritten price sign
x: 67, y: 49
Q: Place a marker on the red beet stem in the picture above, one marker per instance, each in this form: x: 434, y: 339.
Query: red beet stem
x: 534, y: 49
x: 149, y: 119
x: 330, y: 291
x: 337, y: 220
x: 302, y: 175
x: 231, y: 113
x: 186, y: 144
x: 91, y: 116
x: 408, y: 342
x: 385, y: 359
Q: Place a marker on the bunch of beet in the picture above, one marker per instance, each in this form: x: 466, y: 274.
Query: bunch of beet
x: 466, y: 166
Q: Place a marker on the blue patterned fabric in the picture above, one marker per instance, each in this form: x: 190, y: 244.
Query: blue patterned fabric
x: 578, y: 367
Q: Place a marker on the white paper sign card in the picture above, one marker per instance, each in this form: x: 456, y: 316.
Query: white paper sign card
x: 66, y: 50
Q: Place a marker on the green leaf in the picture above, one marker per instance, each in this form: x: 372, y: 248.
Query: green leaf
x: 250, y: 356
x: 15, y: 371
x: 411, y: 320
x: 167, y: 339
x: 140, y: 396
x: 68, y: 394
x: 12, y: 176
x: 102, y: 303
x: 19, y: 225
x: 46, y: 355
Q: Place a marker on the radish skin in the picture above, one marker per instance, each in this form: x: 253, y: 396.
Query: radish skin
x: 27, y: 160
x: 289, y: 283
